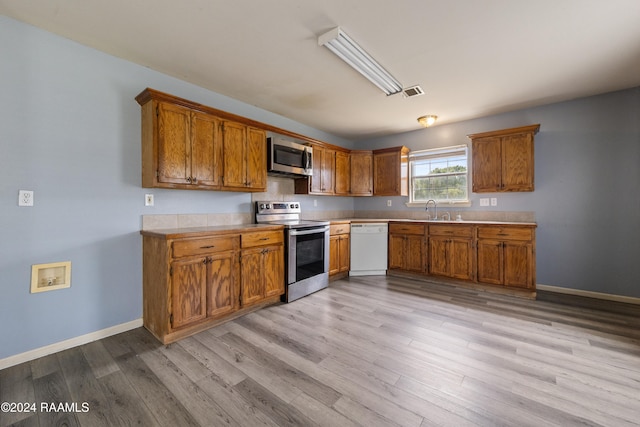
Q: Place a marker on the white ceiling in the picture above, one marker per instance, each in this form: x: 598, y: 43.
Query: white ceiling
x: 472, y: 57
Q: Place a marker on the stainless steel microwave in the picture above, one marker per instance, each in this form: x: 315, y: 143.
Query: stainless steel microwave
x: 288, y: 157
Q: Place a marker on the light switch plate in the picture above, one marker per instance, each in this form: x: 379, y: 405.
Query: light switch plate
x: 494, y: 201
x: 148, y: 200
x: 25, y: 198
x: 388, y: 202
x: 484, y: 201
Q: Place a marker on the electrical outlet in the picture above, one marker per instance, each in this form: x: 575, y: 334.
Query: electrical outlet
x: 484, y: 201
x: 388, y: 202
x: 494, y: 201
x: 148, y: 199
x: 315, y: 203
x: 25, y: 198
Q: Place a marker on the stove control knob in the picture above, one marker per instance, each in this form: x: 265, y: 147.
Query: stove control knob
x: 261, y: 205
x: 297, y: 206
x: 292, y: 206
x: 268, y: 206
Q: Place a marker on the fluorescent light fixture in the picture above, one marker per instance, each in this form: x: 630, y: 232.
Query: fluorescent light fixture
x: 351, y: 53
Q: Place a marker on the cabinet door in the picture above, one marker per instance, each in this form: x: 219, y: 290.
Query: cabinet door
x: 487, y: 164
x: 188, y: 291
x: 344, y: 253
x: 223, y: 290
x: 234, y: 150
x: 517, y: 162
x: 174, y: 144
x: 361, y: 173
x: 328, y: 171
x: 396, y: 251
x: 460, y: 259
x: 316, y: 177
x: 386, y: 173
x: 256, y: 159
x: 343, y: 173
x: 490, y: 257
x: 334, y: 254
x: 518, y: 264
x: 206, y: 150
x: 414, y: 260
x: 438, y: 253
x: 273, y: 268
x: 252, y: 280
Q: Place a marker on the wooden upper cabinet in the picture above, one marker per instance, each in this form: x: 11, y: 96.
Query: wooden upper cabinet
x: 343, y: 174
x: 323, y: 179
x: 206, y: 150
x: 188, y: 149
x: 245, y: 157
x: 391, y: 172
x: 503, y: 160
x: 361, y: 173
x: 186, y: 146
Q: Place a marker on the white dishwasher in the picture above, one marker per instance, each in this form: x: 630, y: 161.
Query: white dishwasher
x: 368, y: 248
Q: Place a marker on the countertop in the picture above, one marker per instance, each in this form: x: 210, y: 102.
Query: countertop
x: 177, y: 233
x: 432, y: 222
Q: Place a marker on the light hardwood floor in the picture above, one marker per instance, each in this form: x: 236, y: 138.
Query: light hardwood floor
x: 370, y: 351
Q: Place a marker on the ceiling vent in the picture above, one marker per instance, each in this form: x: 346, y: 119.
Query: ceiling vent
x: 412, y: 91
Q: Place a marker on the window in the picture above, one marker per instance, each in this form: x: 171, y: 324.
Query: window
x: 439, y: 174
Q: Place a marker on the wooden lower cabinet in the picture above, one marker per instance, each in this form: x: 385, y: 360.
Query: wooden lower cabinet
x: 262, y: 266
x: 191, y: 283
x: 339, y: 250
x: 451, y: 251
x: 506, y: 256
x: 493, y: 254
x: 407, y: 247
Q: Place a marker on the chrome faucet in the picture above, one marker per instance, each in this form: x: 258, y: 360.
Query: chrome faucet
x: 435, y: 207
x: 448, y: 216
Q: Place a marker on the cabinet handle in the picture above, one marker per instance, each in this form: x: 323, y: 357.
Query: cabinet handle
x: 189, y: 179
x: 207, y: 247
x: 205, y: 260
x: 194, y: 180
x: 264, y: 238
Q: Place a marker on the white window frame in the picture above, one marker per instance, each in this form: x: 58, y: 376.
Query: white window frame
x: 435, y: 153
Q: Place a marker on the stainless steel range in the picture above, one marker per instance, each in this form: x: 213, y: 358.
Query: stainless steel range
x: 306, y: 245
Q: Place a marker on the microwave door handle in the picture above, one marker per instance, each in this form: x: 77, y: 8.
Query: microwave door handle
x: 307, y: 159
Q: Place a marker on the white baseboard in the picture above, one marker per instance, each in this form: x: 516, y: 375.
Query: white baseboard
x: 589, y: 294
x: 70, y: 343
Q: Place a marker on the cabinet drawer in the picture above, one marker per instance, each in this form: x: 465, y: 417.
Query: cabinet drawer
x: 262, y: 238
x: 451, y: 230
x: 406, y: 228
x: 505, y: 233
x: 206, y: 245
x: 340, y: 229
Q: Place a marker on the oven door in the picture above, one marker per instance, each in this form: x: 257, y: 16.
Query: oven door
x: 308, y: 253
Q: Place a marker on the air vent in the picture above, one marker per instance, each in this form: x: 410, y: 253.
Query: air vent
x: 412, y: 91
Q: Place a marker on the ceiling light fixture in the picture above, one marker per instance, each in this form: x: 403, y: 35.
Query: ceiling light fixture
x: 351, y: 53
x: 427, y: 121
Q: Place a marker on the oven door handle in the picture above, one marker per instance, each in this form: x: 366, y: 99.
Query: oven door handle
x: 310, y: 231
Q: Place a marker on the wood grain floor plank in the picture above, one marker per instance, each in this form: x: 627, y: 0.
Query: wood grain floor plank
x: 282, y: 413
x: 99, y: 359
x: 277, y: 367
x: 163, y: 405
x: 16, y: 385
x: 199, y: 404
x: 124, y: 401
x: 214, y: 363
x: 84, y: 387
x: 52, y: 390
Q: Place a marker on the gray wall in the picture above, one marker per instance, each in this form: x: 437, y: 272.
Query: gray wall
x: 587, y: 187
x: 70, y: 131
